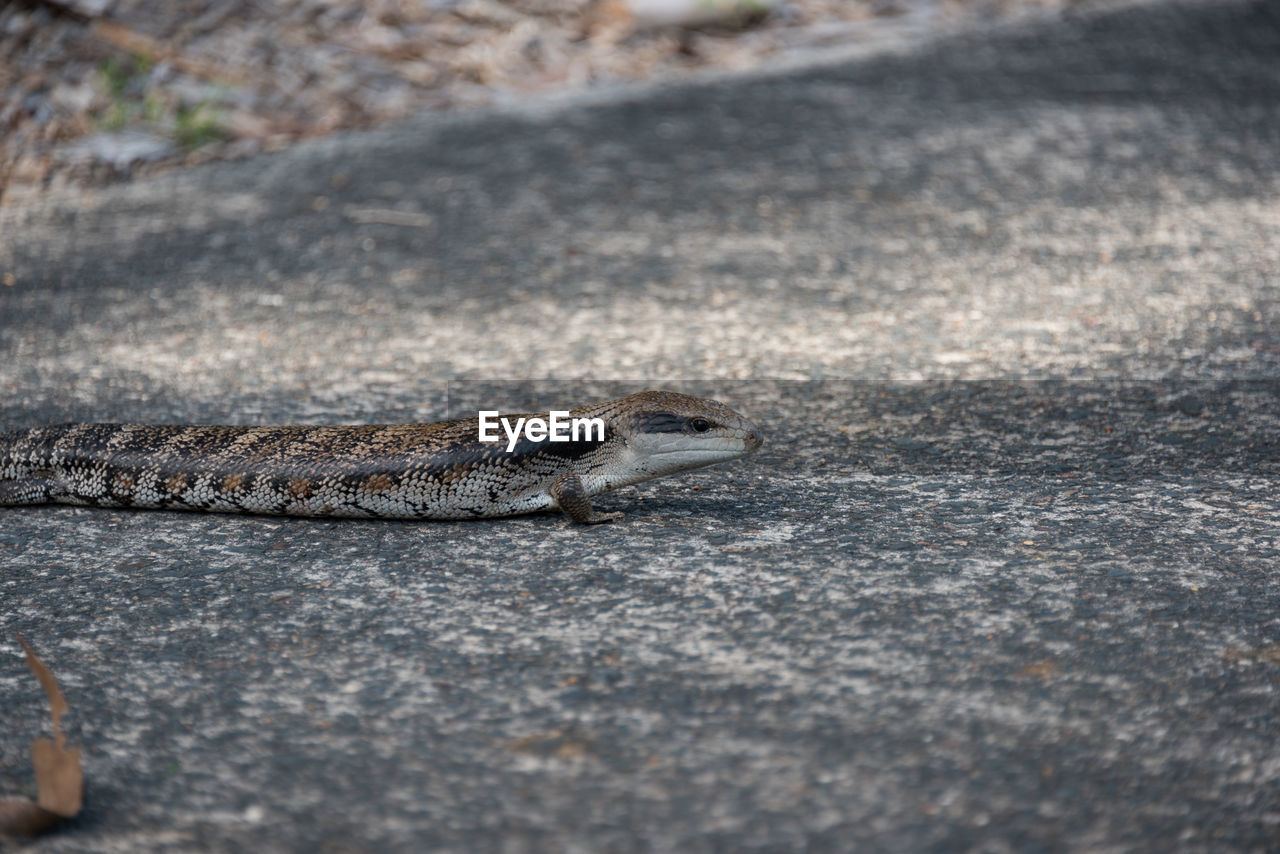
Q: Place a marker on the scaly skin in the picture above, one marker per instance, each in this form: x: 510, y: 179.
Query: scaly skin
x: 395, y: 471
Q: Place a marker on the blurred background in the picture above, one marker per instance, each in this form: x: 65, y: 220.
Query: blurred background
x: 98, y: 90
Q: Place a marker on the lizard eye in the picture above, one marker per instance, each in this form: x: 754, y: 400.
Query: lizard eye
x: 700, y: 425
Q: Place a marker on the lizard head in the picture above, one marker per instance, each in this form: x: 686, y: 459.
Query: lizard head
x: 670, y: 432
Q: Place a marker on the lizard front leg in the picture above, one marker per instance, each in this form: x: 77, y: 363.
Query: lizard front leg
x: 572, y: 497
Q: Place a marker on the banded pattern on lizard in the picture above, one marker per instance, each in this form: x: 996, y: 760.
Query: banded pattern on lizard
x: 394, y: 471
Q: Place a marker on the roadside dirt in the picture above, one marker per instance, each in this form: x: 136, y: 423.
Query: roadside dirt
x: 99, y: 90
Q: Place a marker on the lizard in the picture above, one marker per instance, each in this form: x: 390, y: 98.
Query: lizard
x: 391, y: 471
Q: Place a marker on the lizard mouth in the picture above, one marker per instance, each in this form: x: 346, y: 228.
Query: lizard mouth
x: 710, y: 450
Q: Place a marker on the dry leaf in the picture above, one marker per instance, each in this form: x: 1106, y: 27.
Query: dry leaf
x: 59, y: 776
x: 24, y: 818
x: 59, y: 780
x: 57, y: 704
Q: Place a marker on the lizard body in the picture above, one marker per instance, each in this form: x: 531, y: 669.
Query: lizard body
x: 394, y: 471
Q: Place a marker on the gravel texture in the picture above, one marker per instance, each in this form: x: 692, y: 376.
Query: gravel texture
x: 1003, y: 578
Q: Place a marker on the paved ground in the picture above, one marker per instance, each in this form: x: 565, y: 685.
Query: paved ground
x: 1005, y: 576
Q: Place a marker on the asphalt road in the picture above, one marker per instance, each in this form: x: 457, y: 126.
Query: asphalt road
x: 1005, y: 576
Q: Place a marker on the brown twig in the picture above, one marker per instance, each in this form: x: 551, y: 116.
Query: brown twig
x: 140, y: 43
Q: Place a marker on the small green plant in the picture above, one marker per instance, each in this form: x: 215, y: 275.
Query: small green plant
x: 118, y: 76
x: 131, y: 102
x: 123, y: 81
x: 199, y: 125
x: 737, y: 14
x: 113, y: 77
x: 125, y: 111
